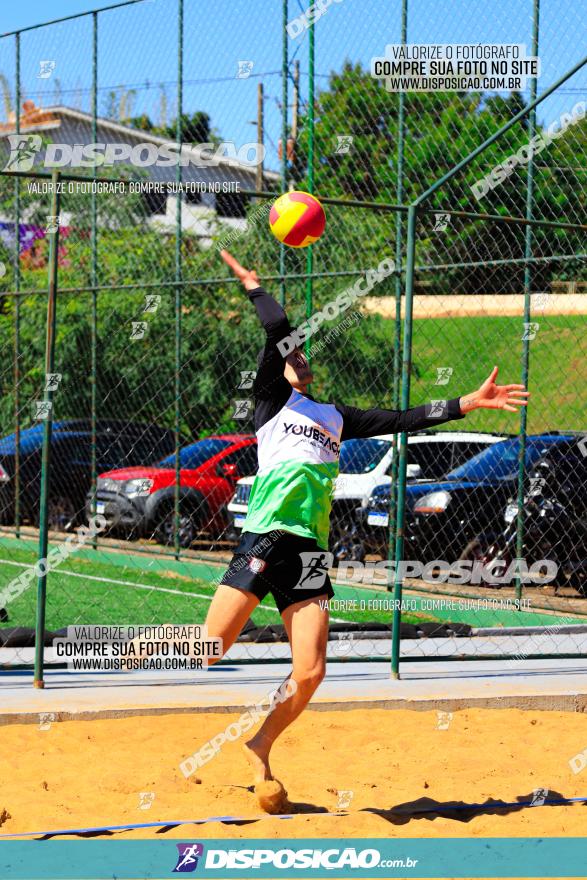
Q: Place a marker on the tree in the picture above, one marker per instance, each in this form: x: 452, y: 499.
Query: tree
x: 142, y: 122
x: 440, y: 130
x: 195, y: 129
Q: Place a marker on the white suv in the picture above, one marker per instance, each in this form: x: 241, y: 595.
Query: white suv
x: 365, y: 464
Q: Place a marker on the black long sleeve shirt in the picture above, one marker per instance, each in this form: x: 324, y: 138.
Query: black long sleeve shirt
x: 272, y: 390
x: 299, y: 439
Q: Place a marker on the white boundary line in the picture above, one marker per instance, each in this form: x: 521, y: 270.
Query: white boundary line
x: 91, y: 577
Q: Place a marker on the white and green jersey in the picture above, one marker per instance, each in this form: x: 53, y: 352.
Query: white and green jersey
x: 299, y: 439
x: 298, y: 452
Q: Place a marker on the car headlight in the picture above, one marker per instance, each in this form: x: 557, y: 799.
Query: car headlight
x: 379, y: 502
x: 138, y: 488
x: 510, y: 512
x: 434, y: 502
x: 108, y: 484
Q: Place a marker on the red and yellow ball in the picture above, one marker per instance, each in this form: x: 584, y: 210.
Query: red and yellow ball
x: 297, y: 219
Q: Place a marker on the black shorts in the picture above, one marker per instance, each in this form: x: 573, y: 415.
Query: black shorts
x: 288, y: 566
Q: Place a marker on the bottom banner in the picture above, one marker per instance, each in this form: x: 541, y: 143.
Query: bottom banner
x: 377, y: 857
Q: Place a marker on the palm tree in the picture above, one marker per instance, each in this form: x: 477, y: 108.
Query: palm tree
x: 162, y: 106
x: 127, y: 97
x: 6, y: 95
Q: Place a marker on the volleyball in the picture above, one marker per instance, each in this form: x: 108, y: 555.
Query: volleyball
x: 297, y: 219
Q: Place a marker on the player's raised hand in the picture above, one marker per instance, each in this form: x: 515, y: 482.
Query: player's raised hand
x: 248, y: 277
x: 493, y: 396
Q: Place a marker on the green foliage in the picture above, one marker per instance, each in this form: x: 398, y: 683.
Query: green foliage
x: 135, y: 378
x: 220, y: 336
x: 441, y: 129
x: 195, y: 128
x: 142, y: 122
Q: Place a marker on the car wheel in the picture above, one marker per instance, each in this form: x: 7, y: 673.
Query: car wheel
x: 347, y: 543
x: 61, y: 513
x: 165, y: 530
x: 479, y: 549
x: 576, y: 577
x: 473, y: 550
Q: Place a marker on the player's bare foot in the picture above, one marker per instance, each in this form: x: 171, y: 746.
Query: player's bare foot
x: 257, y: 754
x: 272, y: 797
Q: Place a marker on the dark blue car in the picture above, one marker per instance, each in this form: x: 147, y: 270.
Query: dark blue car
x: 118, y: 444
x: 444, y: 517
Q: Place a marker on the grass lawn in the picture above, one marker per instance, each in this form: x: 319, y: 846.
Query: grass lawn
x: 98, y: 587
x: 103, y: 587
x: 472, y: 346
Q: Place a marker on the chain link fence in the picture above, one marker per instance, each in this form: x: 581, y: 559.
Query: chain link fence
x: 500, y: 538
x: 154, y: 347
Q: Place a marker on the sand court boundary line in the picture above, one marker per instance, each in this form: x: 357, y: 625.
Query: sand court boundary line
x: 439, y: 809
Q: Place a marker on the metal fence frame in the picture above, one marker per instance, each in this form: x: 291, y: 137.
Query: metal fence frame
x: 412, y: 221
x: 402, y: 340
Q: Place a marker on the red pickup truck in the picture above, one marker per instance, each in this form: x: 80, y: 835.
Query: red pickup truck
x: 139, y: 501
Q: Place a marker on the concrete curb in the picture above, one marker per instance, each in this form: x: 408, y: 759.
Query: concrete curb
x: 537, y: 702
x: 566, y: 629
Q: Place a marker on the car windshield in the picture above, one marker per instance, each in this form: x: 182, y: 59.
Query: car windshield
x: 498, y: 462
x: 196, y: 454
x: 361, y: 456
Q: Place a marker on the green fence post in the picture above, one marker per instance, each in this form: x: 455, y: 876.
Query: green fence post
x: 310, y: 249
x: 17, y: 309
x: 403, y: 453
x: 178, y: 278
x: 47, y: 430
x: 401, y: 131
x: 284, y: 94
x: 94, y: 277
x: 527, y: 310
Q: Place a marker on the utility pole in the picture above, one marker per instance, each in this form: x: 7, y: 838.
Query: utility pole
x: 260, y: 135
x: 296, y: 100
x: 295, y: 118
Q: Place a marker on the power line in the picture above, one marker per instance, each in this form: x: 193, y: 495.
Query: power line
x: 146, y: 85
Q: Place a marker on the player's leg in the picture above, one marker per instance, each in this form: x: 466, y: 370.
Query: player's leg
x: 306, y: 624
x: 239, y: 593
x: 228, y: 613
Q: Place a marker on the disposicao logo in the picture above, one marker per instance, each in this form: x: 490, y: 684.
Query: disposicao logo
x: 188, y: 855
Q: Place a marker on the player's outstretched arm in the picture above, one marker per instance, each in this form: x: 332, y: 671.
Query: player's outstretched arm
x: 271, y: 314
x: 270, y: 388
x: 493, y: 396
x: 370, y: 422
x: 247, y: 277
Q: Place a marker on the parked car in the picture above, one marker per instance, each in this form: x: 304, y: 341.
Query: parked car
x: 139, y: 501
x: 554, y: 520
x: 118, y: 444
x: 445, y: 517
x: 365, y: 464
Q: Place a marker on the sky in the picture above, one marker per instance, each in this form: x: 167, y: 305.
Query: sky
x: 138, y: 51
